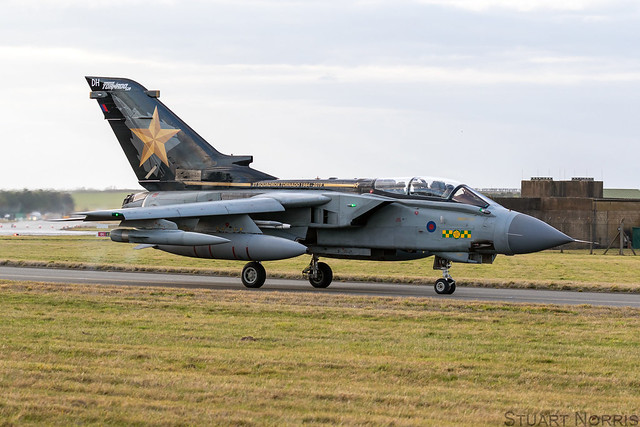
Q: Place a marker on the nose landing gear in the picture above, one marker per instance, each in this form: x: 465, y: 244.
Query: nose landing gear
x: 446, y: 285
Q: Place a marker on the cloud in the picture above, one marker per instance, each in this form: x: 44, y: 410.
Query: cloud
x: 527, y: 5
x: 506, y: 82
x: 510, y: 68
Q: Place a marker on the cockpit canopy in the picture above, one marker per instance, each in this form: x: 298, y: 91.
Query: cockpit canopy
x: 433, y: 188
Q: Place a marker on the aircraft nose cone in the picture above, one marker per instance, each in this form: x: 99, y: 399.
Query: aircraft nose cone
x: 528, y: 234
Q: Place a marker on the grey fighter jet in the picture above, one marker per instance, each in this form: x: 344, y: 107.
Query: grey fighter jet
x: 205, y: 204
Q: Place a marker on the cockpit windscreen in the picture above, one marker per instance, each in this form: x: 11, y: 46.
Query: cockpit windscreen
x: 437, y: 188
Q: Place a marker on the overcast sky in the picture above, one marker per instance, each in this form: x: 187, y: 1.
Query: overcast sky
x: 486, y: 92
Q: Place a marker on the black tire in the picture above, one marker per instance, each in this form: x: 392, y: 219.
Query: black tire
x: 253, y: 275
x: 442, y: 287
x: 324, y: 277
x: 452, y: 287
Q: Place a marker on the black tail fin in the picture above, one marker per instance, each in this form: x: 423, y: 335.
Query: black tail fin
x: 164, y: 152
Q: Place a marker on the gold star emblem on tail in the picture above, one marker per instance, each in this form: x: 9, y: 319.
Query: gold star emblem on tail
x: 154, y: 139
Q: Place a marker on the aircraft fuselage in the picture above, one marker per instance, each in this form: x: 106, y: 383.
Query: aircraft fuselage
x: 206, y: 204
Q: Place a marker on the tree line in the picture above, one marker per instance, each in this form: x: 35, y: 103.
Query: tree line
x: 44, y: 201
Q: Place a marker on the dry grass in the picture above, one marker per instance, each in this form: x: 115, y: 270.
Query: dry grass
x: 73, y: 354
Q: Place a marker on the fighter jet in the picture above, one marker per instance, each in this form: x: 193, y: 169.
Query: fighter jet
x: 205, y: 204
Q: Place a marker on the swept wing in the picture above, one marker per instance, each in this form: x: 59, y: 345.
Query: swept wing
x: 276, y: 202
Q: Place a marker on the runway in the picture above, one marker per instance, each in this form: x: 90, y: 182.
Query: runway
x: 44, y: 228
x: 339, y: 288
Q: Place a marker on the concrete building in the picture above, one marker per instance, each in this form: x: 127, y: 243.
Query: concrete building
x: 578, y: 208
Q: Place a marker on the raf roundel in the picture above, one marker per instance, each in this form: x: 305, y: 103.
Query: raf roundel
x: 431, y: 226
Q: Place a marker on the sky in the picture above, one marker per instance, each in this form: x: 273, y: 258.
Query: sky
x: 486, y: 92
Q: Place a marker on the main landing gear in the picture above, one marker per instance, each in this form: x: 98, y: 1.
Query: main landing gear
x: 446, y: 285
x: 318, y: 273
x: 253, y: 275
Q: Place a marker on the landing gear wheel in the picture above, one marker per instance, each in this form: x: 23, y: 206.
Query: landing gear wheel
x: 452, y: 286
x: 442, y: 287
x: 446, y: 285
x: 253, y: 275
x: 323, y: 276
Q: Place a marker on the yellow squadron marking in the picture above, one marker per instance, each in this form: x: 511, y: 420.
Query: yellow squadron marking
x: 456, y: 234
x: 154, y: 139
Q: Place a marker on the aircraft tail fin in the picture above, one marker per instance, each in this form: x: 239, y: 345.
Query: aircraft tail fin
x: 164, y: 152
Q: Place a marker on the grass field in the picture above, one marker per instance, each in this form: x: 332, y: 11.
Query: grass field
x: 95, y: 200
x: 550, y: 269
x: 76, y: 355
